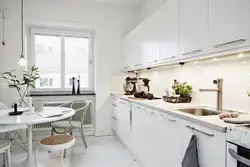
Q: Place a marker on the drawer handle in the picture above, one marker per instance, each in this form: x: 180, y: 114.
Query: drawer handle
x: 192, y: 52
x: 153, y: 61
x: 148, y: 112
x: 137, y: 64
x: 170, y: 120
x: 230, y: 42
x: 114, y: 118
x: 122, y: 102
x: 126, y: 67
x: 173, y: 57
x: 197, y: 130
x: 114, y: 105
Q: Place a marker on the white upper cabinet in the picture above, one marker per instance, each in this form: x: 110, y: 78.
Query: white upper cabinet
x: 131, y: 53
x: 160, y: 41
x: 229, y: 24
x: 194, y: 33
x: 148, y: 41
x: 167, y: 31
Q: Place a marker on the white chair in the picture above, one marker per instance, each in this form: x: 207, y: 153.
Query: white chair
x: 67, y: 126
x: 5, y: 149
x: 56, y: 143
x: 11, y: 132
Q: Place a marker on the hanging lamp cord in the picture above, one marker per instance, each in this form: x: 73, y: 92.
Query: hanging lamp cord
x: 22, y: 36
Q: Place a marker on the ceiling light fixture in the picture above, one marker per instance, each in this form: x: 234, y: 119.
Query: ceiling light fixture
x: 245, y: 62
x: 22, y: 61
x: 215, y: 59
x: 196, y: 62
x: 240, y: 55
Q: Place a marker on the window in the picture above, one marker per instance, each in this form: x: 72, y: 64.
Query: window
x: 60, y: 56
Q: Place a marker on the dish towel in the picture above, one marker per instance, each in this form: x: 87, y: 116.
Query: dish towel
x: 191, y: 156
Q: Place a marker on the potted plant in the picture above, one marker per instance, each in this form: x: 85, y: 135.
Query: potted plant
x: 183, y: 89
x: 23, y: 85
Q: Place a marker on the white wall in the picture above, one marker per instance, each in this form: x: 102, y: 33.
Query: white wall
x: 148, y: 8
x: 236, y: 75
x: 108, y: 21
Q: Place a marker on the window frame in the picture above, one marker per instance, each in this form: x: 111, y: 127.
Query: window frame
x: 62, y: 32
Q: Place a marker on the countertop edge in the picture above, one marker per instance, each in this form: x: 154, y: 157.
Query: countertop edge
x: 200, y: 122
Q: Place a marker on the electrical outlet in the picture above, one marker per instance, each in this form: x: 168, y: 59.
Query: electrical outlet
x: 4, y: 12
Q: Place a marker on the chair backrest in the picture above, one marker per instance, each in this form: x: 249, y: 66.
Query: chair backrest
x: 3, y: 106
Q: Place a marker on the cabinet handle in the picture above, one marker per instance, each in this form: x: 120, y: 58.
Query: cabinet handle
x: 192, y: 52
x: 137, y: 107
x: 230, y: 42
x: 169, y: 58
x: 137, y: 64
x: 114, y: 105
x: 114, y: 98
x: 113, y: 130
x: 153, y: 61
x: 122, y: 102
x: 114, y: 118
x: 148, y: 112
x: 170, y: 120
x: 197, y: 130
x: 126, y: 67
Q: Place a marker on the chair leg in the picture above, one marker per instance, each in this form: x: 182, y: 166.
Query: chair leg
x: 4, y: 159
x: 9, y: 157
x: 52, y: 134
x: 52, y: 131
x: 65, y: 150
x: 83, y: 137
x: 61, y: 158
x: 36, y: 163
x: 64, y: 153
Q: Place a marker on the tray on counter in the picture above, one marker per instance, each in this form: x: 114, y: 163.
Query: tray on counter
x: 177, y: 99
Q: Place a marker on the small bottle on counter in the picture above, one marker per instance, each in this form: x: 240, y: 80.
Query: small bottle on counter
x: 73, y: 86
x: 78, y: 85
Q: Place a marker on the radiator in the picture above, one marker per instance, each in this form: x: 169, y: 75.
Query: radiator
x: 76, y: 117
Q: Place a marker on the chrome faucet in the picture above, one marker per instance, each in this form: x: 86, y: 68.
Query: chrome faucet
x: 219, y: 91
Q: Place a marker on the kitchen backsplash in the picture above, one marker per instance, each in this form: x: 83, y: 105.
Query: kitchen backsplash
x: 236, y: 75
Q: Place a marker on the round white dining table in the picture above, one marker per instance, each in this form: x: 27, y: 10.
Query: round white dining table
x: 32, y: 118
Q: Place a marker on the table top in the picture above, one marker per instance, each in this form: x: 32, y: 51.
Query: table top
x: 33, y: 118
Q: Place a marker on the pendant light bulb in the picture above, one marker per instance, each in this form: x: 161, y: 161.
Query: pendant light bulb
x: 22, y: 62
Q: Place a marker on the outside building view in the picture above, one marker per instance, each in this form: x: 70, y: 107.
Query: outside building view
x: 49, y: 56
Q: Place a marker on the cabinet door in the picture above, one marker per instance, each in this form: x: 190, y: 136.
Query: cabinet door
x: 137, y: 132
x: 168, y: 144
x: 149, y: 44
x: 114, y: 113
x: 211, y: 146
x: 194, y: 33
x: 167, y: 25
x: 229, y: 23
x: 123, y: 121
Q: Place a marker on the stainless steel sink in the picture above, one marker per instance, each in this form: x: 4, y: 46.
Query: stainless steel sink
x: 199, y: 111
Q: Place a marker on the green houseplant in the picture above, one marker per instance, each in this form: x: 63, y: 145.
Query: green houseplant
x: 183, y: 89
x: 27, y: 81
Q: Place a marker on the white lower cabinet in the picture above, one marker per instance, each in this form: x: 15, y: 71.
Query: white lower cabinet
x: 121, y: 120
x: 211, y: 146
x: 161, y: 140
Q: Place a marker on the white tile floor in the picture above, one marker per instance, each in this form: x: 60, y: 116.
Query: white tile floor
x: 102, y: 152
